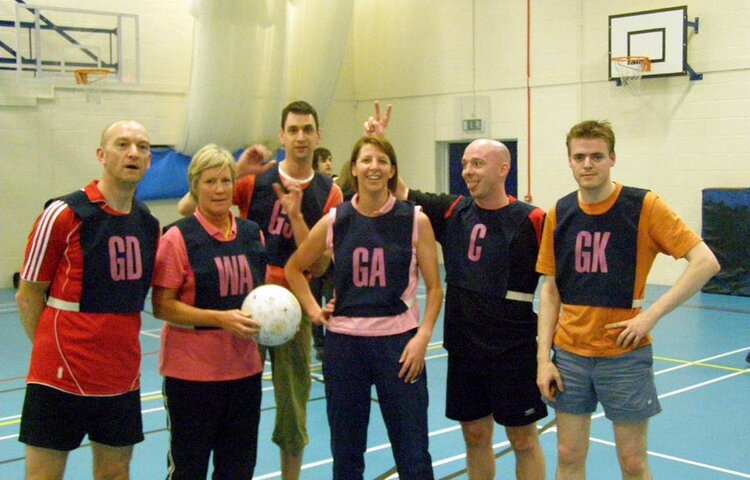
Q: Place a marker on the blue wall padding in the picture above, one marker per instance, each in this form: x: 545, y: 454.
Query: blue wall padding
x: 726, y: 230
x: 167, y: 178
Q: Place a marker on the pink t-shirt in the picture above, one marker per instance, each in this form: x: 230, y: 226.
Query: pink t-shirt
x: 380, y: 326
x: 198, y: 355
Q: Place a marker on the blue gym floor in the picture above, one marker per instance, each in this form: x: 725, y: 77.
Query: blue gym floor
x: 701, y: 374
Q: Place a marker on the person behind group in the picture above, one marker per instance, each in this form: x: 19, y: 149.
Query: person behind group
x: 345, y: 181
x: 598, y: 246
x: 490, y: 242
x: 323, y: 161
x: 205, y: 266
x: 87, y: 270
x: 322, y: 286
x: 374, y: 335
x: 258, y: 200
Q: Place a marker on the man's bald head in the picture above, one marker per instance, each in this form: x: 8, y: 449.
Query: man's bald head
x: 491, y: 149
x: 485, y: 166
x: 115, y: 126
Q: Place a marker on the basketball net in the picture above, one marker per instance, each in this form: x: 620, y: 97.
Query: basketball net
x: 88, y: 77
x: 630, y: 71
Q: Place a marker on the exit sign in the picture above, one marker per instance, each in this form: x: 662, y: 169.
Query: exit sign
x: 473, y: 125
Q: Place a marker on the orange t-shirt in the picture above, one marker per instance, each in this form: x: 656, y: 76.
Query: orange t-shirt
x: 580, y: 328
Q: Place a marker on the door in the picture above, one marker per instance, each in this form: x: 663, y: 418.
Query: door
x: 456, y: 184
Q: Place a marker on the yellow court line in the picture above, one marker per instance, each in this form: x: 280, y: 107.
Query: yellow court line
x: 159, y: 396
x: 437, y: 346
x: 701, y: 364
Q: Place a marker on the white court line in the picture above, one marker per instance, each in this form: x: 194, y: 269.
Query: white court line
x: 152, y: 410
x: 158, y: 392
x: 703, y: 360
x: 677, y: 459
x: 703, y: 384
x: 691, y: 387
x: 505, y: 443
x: 455, y: 458
x: 682, y: 460
x: 12, y: 417
x: 153, y: 332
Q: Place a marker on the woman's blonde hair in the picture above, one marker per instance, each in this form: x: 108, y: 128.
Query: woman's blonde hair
x: 210, y: 156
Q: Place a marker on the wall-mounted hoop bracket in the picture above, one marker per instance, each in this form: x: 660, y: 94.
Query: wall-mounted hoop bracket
x: 692, y: 73
x: 694, y: 24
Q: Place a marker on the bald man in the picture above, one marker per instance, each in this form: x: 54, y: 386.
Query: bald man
x: 490, y: 242
x: 85, y: 277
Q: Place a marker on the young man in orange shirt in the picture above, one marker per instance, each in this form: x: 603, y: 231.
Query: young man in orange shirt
x: 597, y: 248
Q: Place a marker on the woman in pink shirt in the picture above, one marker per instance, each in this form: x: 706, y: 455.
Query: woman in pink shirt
x: 378, y: 245
x: 205, y: 266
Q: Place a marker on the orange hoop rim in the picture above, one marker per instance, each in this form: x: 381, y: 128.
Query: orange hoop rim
x: 628, y: 61
x: 82, y: 75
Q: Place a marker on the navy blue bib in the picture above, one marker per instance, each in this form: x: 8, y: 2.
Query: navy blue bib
x: 595, y: 255
x: 225, y: 272
x: 478, y: 243
x: 265, y: 209
x: 118, y: 255
x: 373, y: 256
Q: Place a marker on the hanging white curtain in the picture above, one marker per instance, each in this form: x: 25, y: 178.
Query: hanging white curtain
x: 252, y: 57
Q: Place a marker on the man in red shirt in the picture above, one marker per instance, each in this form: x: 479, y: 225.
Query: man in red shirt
x: 86, y: 273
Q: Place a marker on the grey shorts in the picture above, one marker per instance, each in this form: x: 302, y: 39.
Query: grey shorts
x: 624, y: 385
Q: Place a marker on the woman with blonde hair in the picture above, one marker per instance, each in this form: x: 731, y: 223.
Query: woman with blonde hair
x: 205, y: 266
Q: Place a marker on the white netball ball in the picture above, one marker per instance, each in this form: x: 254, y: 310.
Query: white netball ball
x: 278, y: 312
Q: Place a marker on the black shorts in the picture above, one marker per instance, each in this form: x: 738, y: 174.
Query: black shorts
x: 504, y: 386
x: 58, y: 420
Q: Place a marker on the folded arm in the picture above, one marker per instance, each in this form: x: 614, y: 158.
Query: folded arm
x: 31, y: 301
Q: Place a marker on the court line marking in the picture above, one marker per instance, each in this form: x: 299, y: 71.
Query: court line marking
x: 697, y: 362
x: 709, y: 365
x: 506, y: 443
x: 152, y: 332
x: 157, y: 395
x: 455, y: 458
x: 154, y: 395
x: 681, y: 460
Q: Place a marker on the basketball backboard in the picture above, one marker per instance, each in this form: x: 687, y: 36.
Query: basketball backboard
x: 54, y: 42
x: 660, y: 35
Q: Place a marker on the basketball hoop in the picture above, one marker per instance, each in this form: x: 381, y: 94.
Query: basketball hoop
x: 96, y: 74
x: 87, y: 77
x: 630, y: 70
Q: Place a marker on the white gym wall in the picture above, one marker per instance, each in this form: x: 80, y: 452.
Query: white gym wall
x: 676, y: 138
